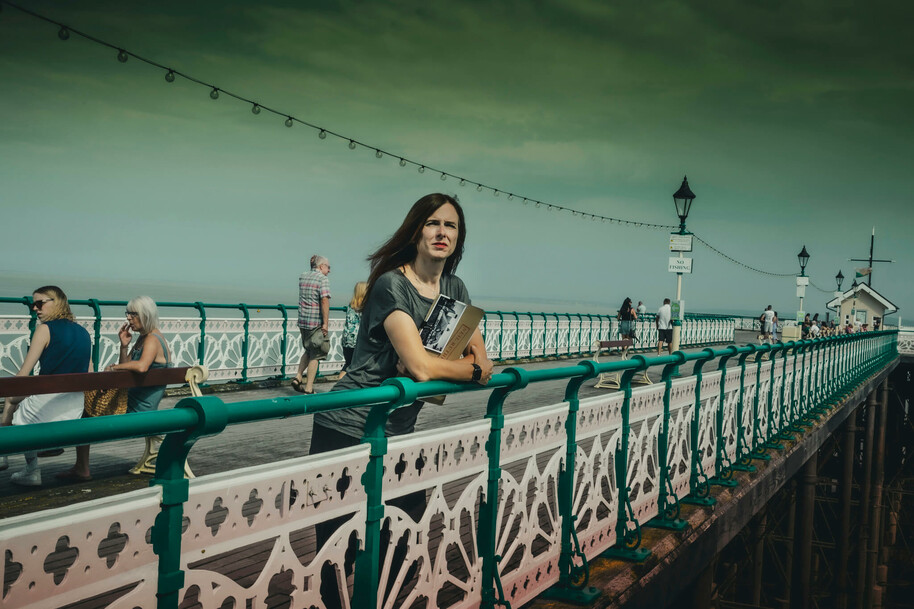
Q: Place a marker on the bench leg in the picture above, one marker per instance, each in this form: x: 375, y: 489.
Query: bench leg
x: 147, y: 463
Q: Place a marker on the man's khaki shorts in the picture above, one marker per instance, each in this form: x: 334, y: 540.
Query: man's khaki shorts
x: 316, y: 345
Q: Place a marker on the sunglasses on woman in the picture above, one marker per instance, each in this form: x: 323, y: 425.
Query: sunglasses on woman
x: 39, y: 304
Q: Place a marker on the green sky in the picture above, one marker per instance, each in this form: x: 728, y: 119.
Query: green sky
x: 792, y: 120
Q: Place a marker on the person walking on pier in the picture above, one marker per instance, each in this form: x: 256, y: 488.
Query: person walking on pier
x: 774, y: 328
x: 353, y: 320
x: 313, y: 321
x: 627, y: 316
x: 641, y: 309
x: 664, y: 327
x: 408, y: 272
x: 60, y: 346
x: 767, y: 324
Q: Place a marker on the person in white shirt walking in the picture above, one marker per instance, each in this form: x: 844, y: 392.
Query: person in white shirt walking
x: 664, y: 327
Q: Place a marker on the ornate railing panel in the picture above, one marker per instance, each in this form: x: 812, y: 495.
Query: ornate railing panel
x: 55, y: 557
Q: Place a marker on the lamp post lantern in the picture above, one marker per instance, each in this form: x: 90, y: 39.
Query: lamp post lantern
x: 802, y: 282
x: 682, y: 199
x: 839, y: 279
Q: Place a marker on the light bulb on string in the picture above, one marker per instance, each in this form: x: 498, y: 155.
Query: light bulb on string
x: 63, y: 33
x: 255, y: 109
x: 402, y: 163
x: 479, y: 188
x: 288, y: 122
x: 322, y: 134
x: 443, y: 177
x: 538, y: 203
x: 351, y: 144
x: 510, y: 196
x: 214, y: 94
x: 496, y: 193
x: 122, y: 55
x: 378, y: 154
x: 526, y: 201
x: 463, y: 182
x: 170, y: 76
x: 421, y: 168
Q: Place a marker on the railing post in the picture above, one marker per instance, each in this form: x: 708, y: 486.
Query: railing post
x: 244, y: 343
x: 212, y: 417
x: 97, y: 326
x: 201, y: 348
x: 791, y: 415
x: 773, y: 433
x: 501, y: 335
x: 572, y: 585
x: 545, y: 334
x: 628, y: 540
x: 743, y: 450
x: 283, y: 342
x: 516, y: 334
x: 367, y: 560
x: 723, y: 467
x: 492, y: 592
x: 699, y: 485
x: 759, y: 444
x: 667, y: 501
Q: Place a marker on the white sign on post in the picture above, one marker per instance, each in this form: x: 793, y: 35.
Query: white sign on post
x: 680, y: 265
x: 680, y: 243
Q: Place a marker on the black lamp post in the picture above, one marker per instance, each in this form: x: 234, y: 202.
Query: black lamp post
x: 803, y: 257
x: 839, y: 278
x: 683, y: 198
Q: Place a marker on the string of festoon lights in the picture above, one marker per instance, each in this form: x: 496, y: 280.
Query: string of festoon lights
x: 289, y: 120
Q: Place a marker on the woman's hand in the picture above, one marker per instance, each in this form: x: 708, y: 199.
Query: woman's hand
x: 124, y: 335
x: 483, y: 361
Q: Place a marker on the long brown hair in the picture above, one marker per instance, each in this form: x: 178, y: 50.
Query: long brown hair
x: 61, y: 304
x: 401, y: 247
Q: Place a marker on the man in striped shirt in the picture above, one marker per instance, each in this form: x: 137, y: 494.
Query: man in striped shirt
x: 313, y: 320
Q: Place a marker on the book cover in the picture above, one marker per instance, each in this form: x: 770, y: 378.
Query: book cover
x: 447, y: 330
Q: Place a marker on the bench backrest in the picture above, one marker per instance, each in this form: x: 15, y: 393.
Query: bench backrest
x: 62, y: 383
x: 613, y: 344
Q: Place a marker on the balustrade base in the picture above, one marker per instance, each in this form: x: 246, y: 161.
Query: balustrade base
x: 723, y: 482
x: 776, y: 445
x: 759, y: 456
x: 795, y: 429
x: 576, y: 596
x: 636, y: 555
x: 705, y: 501
x: 747, y: 468
x: 659, y: 522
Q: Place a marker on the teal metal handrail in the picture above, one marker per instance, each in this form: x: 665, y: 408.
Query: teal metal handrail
x: 861, y: 355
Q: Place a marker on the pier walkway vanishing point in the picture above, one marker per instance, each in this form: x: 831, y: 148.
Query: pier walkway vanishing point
x: 227, y: 539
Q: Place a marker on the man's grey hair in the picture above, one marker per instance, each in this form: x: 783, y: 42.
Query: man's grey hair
x: 316, y: 261
x: 146, y: 311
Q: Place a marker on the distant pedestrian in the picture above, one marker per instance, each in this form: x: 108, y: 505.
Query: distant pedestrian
x: 774, y: 328
x: 627, y: 316
x: 664, y: 327
x: 353, y: 321
x: 814, y: 329
x: 641, y: 309
x: 767, y: 323
x: 313, y: 321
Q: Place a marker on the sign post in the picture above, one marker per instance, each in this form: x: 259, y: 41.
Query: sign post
x: 678, y: 264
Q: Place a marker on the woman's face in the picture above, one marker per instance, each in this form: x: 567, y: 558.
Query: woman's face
x: 438, y: 238
x: 44, y: 305
x: 133, y: 321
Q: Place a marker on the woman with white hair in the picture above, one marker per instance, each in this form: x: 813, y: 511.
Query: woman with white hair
x: 149, y: 351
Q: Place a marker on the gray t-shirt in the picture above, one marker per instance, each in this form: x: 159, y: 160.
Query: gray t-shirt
x: 375, y: 359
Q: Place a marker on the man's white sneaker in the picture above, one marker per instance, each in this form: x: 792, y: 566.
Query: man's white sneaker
x: 27, y: 478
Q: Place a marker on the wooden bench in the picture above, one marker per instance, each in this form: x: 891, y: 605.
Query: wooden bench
x: 15, y: 386
x: 611, y: 380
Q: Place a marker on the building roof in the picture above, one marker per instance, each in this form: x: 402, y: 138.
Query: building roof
x: 889, y: 307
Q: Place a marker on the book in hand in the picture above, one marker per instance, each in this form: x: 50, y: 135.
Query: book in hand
x: 447, y: 330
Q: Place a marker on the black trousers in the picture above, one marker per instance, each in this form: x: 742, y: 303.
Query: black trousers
x: 325, y: 439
